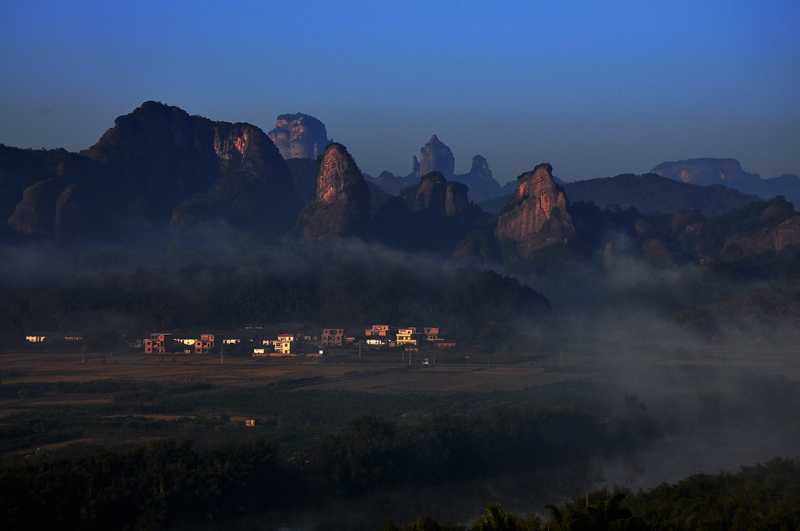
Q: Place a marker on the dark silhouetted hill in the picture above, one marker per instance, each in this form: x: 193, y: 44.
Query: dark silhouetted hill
x: 433, y: 215
x: 653, y: 193
x: 157, y: 166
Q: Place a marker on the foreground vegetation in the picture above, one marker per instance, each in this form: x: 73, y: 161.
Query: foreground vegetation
x: 314, y: 445
x: 761, y: 497
x: 169, y: 485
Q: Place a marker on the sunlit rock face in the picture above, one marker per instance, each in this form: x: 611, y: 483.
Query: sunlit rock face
x: 537, y: 214
x: 434, y: 156
x: 341, y: 205
x: 299, y: 136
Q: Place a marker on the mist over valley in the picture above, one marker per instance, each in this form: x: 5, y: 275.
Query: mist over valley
x: 203, y: 322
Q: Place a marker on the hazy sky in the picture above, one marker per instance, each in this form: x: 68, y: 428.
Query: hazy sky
x: 594, y: 88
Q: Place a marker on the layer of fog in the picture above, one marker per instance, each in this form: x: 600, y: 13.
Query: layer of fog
x: 719, y: 400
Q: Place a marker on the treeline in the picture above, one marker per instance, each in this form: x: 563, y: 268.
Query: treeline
x: 762, y: 497
x: 167, y: 484
x: 161, y: 485
x: 375, y: 453
x: 312, y: 284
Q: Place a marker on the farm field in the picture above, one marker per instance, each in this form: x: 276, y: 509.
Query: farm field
x: 58, y: 367
x: 51, y: 398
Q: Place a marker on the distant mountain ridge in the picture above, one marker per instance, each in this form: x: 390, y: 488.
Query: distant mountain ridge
x: 160, y: 168
x: 647, y: 193
x: 705, y: 171
x: 435, y: 155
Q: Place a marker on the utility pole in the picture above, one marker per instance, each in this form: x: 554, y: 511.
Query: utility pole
x: 221, y: 342
x: 83, y: 351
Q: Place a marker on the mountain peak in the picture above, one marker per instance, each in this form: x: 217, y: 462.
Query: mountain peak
x: 435, y: 156
x: 341, y: 204
x: 537, y: 214
x: 299, y: 136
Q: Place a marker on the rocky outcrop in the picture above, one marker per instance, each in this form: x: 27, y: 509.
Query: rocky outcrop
x: 430, y: 194
x: 537, y: 214
x: 482, y: 185
x: 782, y: 231
x: 433, y: 215
x: 299, y: 136
x: 158, y: 165
x: 434, y: 156
x: 456, y: 201
x: 341, y: 205
x: 171, y: 167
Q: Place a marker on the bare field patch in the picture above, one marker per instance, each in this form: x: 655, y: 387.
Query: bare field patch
x: 449, y: 378
x: 373, y: 377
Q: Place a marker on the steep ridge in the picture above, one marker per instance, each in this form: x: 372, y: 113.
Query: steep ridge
x: 536, y: 216
x: 341, y: 205
x: 158, y: 165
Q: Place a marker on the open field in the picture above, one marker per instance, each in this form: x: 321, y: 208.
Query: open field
x: 23, y: 367
x: 301, y: 373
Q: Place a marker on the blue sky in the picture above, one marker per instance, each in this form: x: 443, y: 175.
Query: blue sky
x: 594, y: 88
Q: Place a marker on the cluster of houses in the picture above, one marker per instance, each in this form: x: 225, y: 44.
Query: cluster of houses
x: 291, y: 340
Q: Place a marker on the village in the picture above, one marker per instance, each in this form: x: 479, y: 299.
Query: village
x: 295, y: 340
x: 282, y: 340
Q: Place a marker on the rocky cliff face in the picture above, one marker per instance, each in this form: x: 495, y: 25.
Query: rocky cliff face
x: 434, y: 156
x: 537, y: 214
x: 435, y: 196
x: 159, y: 165
x: 341, y: 205
x: 299, y: 136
